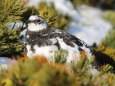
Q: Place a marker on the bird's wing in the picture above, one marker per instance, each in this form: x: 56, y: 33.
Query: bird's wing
x: 69, y: 42
x: 67, y: 37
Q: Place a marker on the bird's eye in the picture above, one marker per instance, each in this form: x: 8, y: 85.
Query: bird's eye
x: 37, y: 20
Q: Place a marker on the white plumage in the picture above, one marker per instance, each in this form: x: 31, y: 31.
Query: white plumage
x: 44, y: 40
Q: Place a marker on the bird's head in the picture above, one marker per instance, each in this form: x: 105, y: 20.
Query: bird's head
x: 36, y: 23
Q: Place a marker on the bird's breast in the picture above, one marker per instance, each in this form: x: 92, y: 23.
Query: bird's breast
x: 47, y: 51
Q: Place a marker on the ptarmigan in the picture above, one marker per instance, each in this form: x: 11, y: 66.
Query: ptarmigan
x: 43, y: 39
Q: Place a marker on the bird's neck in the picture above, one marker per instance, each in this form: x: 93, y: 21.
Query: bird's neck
x: 40, y: 32
x: 36, y: 27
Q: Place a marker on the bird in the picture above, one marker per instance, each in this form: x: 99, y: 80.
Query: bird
x: 43, y: 39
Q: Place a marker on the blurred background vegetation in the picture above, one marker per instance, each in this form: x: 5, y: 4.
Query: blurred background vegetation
x: 104, y: 4
x: 58, y: 74
x: 109, y: 41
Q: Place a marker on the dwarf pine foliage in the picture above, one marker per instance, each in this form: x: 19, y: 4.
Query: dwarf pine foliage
x: 10, y: 11
x: 109, y: 40
x: 39, y: 71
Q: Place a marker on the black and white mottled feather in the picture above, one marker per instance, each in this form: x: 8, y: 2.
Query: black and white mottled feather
x: 43, y: 39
